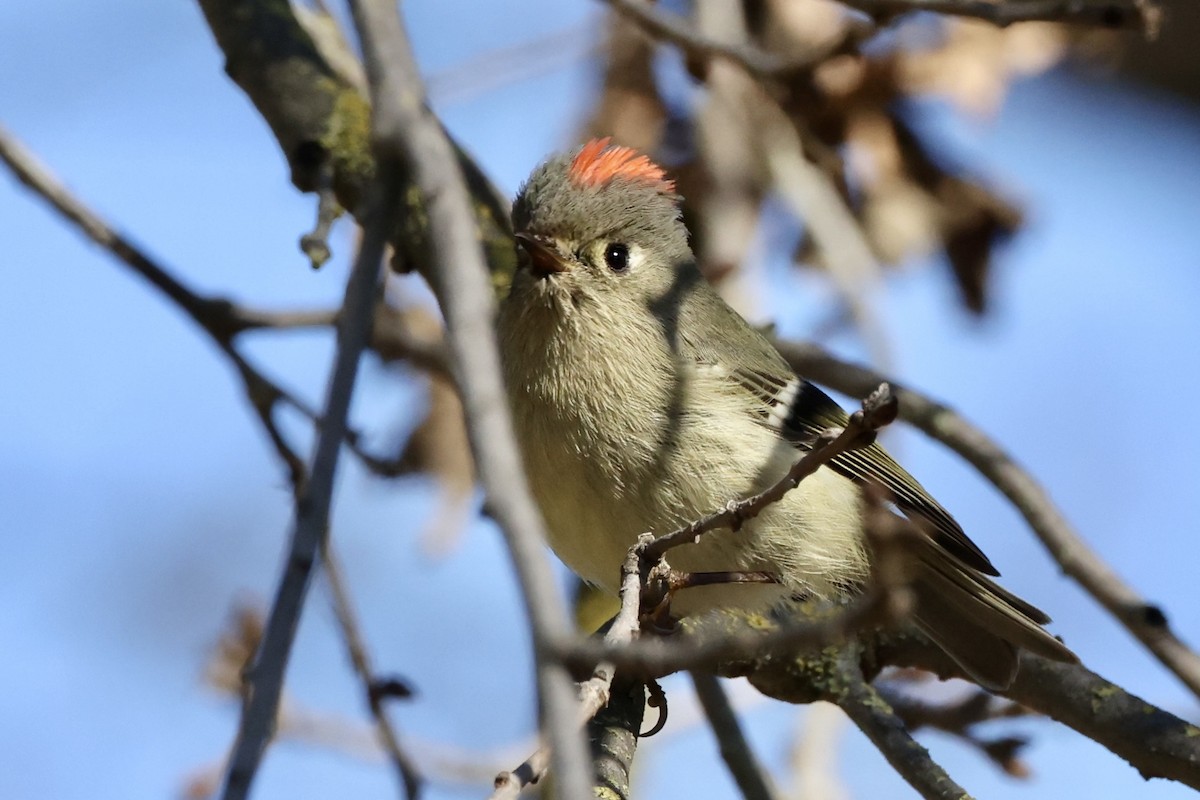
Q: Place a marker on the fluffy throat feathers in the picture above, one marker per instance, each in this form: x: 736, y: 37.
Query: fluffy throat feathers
x: 599, y: 162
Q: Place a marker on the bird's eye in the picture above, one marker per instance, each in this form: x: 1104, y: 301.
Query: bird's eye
x: 616, y: 257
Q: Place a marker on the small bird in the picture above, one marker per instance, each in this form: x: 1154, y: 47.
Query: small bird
x: 642, y: 401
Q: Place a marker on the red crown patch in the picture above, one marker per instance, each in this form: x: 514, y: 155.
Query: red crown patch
x: 598, y: 163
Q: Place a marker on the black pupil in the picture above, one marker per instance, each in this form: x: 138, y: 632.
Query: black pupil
x: 616, y: 256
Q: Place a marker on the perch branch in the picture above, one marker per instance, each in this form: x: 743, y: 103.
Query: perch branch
x: 593, y: 693
x: 807, y: 626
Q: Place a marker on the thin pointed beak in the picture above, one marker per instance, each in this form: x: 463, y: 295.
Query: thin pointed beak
x: 544, y: 258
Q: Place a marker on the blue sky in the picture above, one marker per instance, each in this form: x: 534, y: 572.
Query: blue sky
x: 141, y: 499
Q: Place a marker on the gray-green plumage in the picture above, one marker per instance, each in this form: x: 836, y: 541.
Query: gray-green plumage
x: 643, y: 401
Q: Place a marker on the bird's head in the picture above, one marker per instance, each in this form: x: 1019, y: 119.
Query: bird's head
x: 598, y: 227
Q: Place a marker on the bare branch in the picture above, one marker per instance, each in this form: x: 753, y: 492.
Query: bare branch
x: 1142, y: 15
x: 886, y: 730
x: 406, y: 133
x: 749, y: 774
x: 223, y: 320
x: 320, y: 119
x: 1155, y: 742
x: 313, y: 501
x: 959, y: 718
x: 878, y: 409
x: 220, y: 318
x: 356, y: 648
x: 614, y: 736
x: 726, y: 639
x: 595, y: 692
x: 1144, y: 620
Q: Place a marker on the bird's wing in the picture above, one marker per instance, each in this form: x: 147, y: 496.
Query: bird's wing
x: 799, y: 412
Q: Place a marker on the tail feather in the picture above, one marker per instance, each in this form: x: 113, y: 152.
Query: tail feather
x: 978, y: 623
x: 989, y: 660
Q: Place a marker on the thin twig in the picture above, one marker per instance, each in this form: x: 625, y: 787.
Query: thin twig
x: 1142, y: 15
x: 407, y: 133
x: 1144, y: 620
x: 749, y: 774
x: 959, y: 718
x: 221, y: 319
x: 878, y: 409
x: 594, y: 692
x: 313, y: 501
x: 885, y: 600
x: 315, y: 243
x: 343, y: 608
x: 886, y: 730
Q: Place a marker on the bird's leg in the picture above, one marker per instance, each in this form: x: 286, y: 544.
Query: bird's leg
x: 663, y: 582
x: 686, y: 580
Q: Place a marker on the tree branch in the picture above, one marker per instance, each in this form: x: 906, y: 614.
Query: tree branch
x: 313, y: 501
x: 406, y: 769
x: 878, y: 409
x: 886, y: 598
x: 886, y: 730
x: 735, y: 637
x: 406, y: 132
x: 613, y: 735
x: 1155, y: 742
x: 1144, y: 620
x: 222, y: 319
x: 321, y: 121
x: 594, y: 694
x: 959, y: 717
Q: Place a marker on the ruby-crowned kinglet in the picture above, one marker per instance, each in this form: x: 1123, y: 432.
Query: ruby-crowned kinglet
x: 642, y: 402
